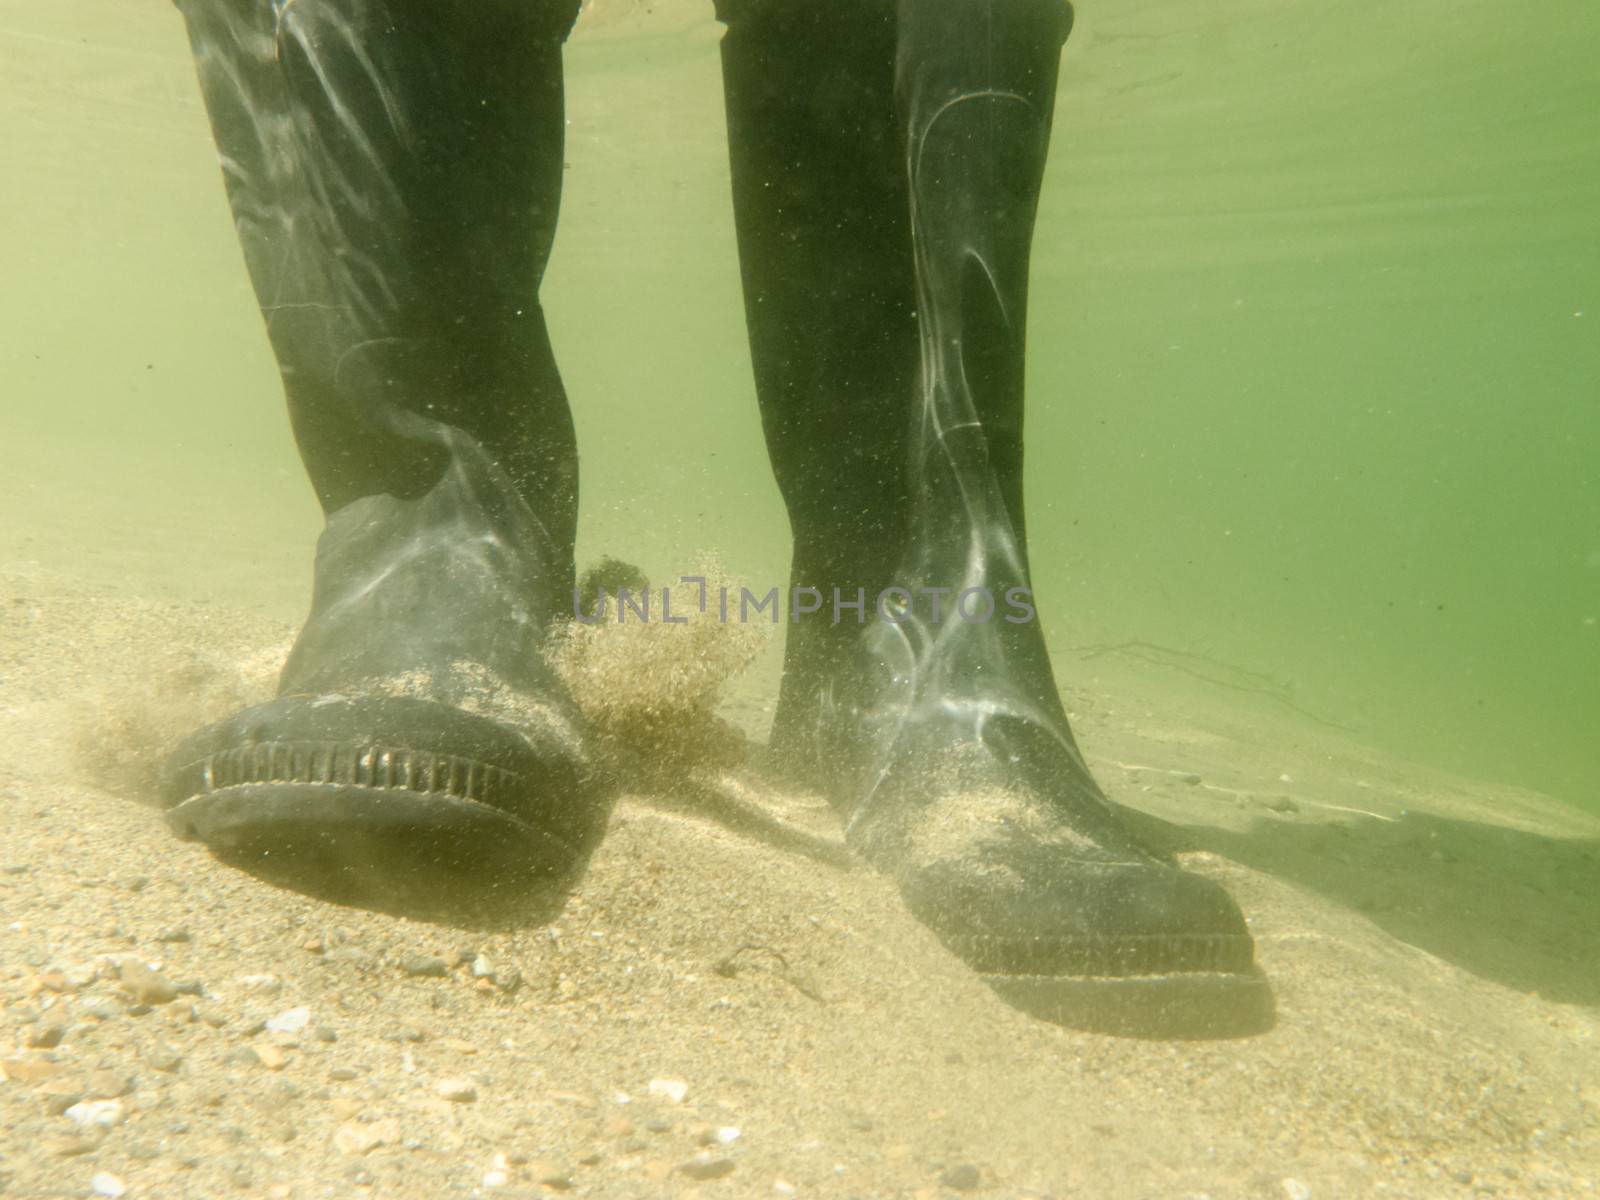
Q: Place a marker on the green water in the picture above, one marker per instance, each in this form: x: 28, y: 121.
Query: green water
x: 1315, y: 347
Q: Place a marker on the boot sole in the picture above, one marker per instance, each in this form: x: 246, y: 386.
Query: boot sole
x: 1178, y: 1007
x: 403, y: 804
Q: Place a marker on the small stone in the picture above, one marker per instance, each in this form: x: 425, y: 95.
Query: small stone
x: 327, y: 1033
x: 146, y: 985
x: 164, y: 1058
x: 482, y: 968
x: 271, y: 1057
x: 1283, y: 804
x: 360, y: 1139
x: 108, y: 1085
x: 576, y: 1099
x: 143, y: 1151
x: 46, y: 1036
x: 60, y: 1093
x: 961, y: 1178
x: 102, y: 1114
x: 79, y: 975
x: 83, y: 1143
x: 671, y: 1090
x: 343, y: 1074
x: 551, y: 1177
x: 16, y: 868
x: 406, y: 1033
x: 267, y: 985
x: 427, y: 966
x: 509, y: 979
x: 457, y: 1045
x: 352, y: 955
x: 136, y: 883
x: 107, y: 1184
x: 703, y: 1167
x: 1293, y: 1189
x: 658, y: 1125
x: 99, y: 1007
x: 457, y: 1091
x: 173, y: 935
x: 30, y: 1070
x: 292, y: 1022
x: 1190, y: 778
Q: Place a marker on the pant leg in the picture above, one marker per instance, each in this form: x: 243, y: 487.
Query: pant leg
x: 394, y: 169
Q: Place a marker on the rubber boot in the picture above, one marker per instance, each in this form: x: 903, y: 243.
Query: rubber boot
x: 887, y: 161
x: 394, y: 171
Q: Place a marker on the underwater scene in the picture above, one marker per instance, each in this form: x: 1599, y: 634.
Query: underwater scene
x: 905, y: 598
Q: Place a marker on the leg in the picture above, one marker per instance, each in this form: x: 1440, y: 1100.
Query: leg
x: 394, y: 172
x: 885, y: 256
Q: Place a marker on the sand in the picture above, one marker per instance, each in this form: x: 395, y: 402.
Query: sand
x: 712, y: 1014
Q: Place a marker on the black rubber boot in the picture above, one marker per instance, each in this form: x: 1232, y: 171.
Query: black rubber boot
x: 394, y: 170
x: 886, y: 172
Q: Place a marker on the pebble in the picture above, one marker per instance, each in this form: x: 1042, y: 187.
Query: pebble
x: 269, y: 985
x: 145, y: 984
x: 360, y: 1139
x: 99, y: 1007
x: 83, y: 1143
x: 552, y: 1177
x: 173, y: 935
x: 108, y: 1085
x: 576, y: 1099
x: 1293, y: 1189
x: 508, y: 979
x: 79, y: 975
x: 343, y: 1074
x: 102, y: 1114
x: 291, y: 1022
x: 671, y: 1090
x: 164, y: 1058
x: 961, y: 1178
x: 457, y: 1091
x: 29, y: 1070
x: 427, y: 966
x: 327, y: 1033
x: 60, y: 1093
x: 107, y: 1184
x: 706, y: 1168
x: 482, y: 968
x: 44, y: 1037
x: 271, y: 1057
